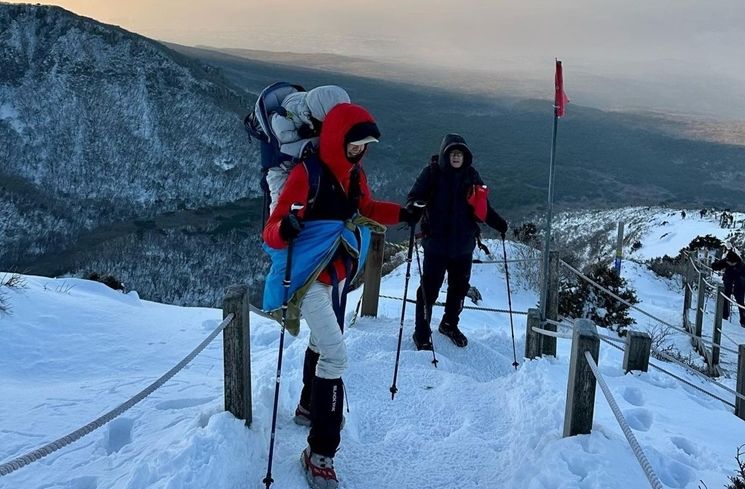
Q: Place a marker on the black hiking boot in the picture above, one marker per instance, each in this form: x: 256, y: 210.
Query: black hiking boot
x: 452, y: 332
x: 422, y: 343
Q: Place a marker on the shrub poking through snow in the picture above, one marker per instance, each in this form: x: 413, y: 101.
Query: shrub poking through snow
x: 108, y: 280
x: 9, y: 281
x: 737, y: 481
x: 579, y: 299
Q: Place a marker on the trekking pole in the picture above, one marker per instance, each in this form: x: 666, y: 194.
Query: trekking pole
x: 294, y: 208
x: 509, y: 303
x: 393, y: 388
x: 426, y: 307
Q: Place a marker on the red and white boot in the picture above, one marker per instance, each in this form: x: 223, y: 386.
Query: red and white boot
x: 319, y: 470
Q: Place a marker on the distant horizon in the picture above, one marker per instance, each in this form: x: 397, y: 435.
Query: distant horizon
x: 616, y: 56
x: 477, y: 34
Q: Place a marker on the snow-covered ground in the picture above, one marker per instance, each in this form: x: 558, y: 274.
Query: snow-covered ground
x: 74, y: 349
x: 662, y: 231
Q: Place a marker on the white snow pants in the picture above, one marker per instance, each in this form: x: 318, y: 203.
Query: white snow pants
x: 326, y: 337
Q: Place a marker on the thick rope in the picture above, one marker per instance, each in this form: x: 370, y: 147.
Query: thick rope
x: 726, y: 336
x: 624, y: 301
x: 733, y: 302
x: 441, y: 304
x: 699, y: 374
x: 555, y: 334
x: 52, y: 447
x: 569, y: 325
x: 693, y: 264
x: 499, y: 262
x: 635, y: 447
x: 680, y: 378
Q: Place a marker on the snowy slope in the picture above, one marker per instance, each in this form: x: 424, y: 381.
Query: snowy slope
x: 661, y: 231
x: 74, y: 349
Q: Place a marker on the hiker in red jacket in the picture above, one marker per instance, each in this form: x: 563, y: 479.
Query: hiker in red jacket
x: 330, y: 236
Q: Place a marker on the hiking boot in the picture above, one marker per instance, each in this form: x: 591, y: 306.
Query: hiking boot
x: 422, y: 344
x: 302, y: 416
x: 452, y: 332
x: 319, y: 470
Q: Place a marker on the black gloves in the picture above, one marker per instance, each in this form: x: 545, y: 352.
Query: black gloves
x: 496, y: 221
x: 410, y: 214
x: 290, y: 227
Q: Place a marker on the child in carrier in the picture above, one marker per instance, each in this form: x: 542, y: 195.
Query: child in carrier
x: 296, y: 125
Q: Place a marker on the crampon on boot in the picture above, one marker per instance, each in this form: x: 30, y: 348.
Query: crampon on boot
x: 319, y: 470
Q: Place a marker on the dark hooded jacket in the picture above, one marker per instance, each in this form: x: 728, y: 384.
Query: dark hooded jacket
x: 448, y: 224
x: 734, y: 275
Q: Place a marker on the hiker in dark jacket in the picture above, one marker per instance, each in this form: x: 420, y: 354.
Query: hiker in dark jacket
x: 456, y: 200
x: 734, y: 281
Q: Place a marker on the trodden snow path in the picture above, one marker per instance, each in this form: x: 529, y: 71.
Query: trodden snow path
x: 70, y: 354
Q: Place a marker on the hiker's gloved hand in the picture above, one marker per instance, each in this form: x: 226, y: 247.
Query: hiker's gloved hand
x: 495, y: 221
x: 410, y: 214
x: 290, y: 227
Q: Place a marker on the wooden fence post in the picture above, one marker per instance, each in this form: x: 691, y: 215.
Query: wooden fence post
x: 699, y: 312
x: 636, y: 353
x: 716, y: 335
x: 552, y: 310
x: 619, y: 249
x: 739, y: 403
x: 580, y: 405
x: 237, y: 353
x: 373, y: 271
x: 687, y: 296
x: 533, y: 339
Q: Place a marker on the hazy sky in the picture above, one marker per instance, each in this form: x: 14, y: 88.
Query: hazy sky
x: 707, y: 35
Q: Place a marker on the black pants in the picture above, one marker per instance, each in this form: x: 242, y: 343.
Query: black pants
x: 739, y: 294
x: 433, y: 274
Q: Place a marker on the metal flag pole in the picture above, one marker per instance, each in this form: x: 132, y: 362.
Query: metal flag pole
x: 560, y: 101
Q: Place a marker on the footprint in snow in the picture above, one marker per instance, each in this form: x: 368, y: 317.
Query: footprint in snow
x: 639, y: 419
x: 634, y: 396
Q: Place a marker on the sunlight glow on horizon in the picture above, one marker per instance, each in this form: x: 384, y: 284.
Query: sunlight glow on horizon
x: 472, y: 33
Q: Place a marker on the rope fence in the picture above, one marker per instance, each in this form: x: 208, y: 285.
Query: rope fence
x: 635, y: 447
x: 553, y: 334
x: 497, y: 262
x: 676, y: 377
x: 733, y: 302
x: 22, y: 461
x: 442, y: 304
x: 651, y: 316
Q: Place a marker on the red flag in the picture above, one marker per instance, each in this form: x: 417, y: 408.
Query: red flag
x: 560, y: 98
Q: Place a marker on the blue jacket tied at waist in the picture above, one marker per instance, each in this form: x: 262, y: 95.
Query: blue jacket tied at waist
x: 313, y: 249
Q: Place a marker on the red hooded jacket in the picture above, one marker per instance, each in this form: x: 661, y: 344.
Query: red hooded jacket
x: 333, y: 155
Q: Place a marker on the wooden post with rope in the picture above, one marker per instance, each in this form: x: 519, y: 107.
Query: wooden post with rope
x: 739, y: 403
x: 636, y: 353
x: 373, y: 272
x: 580, y: 404
x: 687, y: 295
x: 237, y: 353
x: 701, y: 302
x: 533, y: 339
x: 716, y: 335
x: 552, y: 310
